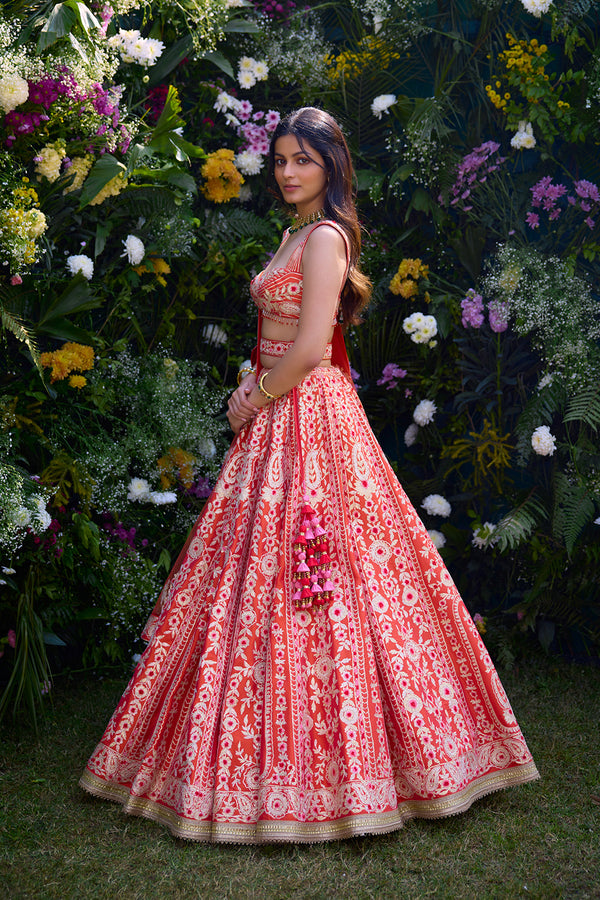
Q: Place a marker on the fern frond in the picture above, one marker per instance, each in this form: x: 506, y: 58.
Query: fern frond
x: 232, y: 225
x: 573, y: 511
x: 14, y: 324
x: 540, y: 410
x: 519, y: 524
x: 585, y: 407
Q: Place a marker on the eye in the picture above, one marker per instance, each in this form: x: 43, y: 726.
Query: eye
x: 279, y: 162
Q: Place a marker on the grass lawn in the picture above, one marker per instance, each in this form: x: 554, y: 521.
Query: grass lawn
x: 539, y: 840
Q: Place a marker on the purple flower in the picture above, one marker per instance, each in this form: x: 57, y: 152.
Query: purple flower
x: 391, y: 375
x: 590, y: 223
x: 587, y: 190
x: 472, y: 310
x: 11, y: 638
x: 498, y: 316
x: 533, y: 220
x: 355, y: 375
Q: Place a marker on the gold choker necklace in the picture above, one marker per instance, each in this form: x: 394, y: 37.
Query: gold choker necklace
x: 301, y: 221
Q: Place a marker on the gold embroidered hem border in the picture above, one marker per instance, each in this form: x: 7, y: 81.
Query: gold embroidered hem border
x: 308, y: 832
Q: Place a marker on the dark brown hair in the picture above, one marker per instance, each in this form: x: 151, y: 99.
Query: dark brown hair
x: 318, y: 130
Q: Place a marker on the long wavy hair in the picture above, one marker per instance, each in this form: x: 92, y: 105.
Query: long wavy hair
x: 315, y: 129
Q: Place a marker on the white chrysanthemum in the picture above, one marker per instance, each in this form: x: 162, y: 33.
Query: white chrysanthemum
x: 382, y: 104
x: 523, y: 139
x: 424, y: 412
x: 134, y: 249
x: 482, y: 534
x: 44, y: 519
x: 422, y: 329
x: 249, y: 162
x: 437, y: 538
x: 213, y: 334
x: 411, y: 434
x: 139, y: 489
x: 246, y: 79
x: 48, y: 163
x: 21, y: 517
x: 80, y: 263
x: 436, y: 505
x: 537, y: 7
x: 543, y: 441
x: 245, y: 193
x: 546, y: 381
x: 136, y: 49
x: 225, y: 101
x: 261, y: 70
x: 159, y: 498
x: 246, y: 64
x: 14, y: 90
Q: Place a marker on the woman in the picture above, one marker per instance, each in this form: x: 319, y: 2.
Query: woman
x: 311, y: 671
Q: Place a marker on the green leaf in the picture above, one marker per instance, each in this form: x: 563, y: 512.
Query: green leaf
x: 63, y: 330
x: 171, y: 58
x: 58, y: 24
x: 241, y: 26
x: 104, y: 170
x: 53, y: 640
x: 103, y: 229
x: 76, y: 298
x: 220, y: 61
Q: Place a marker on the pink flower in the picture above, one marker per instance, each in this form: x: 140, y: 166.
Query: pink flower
x: 11, y: 637
x: 590, y: 222
x: 391, y: 375
x: 16, y: 279
x: 533, y: 220
x: 472, y: 310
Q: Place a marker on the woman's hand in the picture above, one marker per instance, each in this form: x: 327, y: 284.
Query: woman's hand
x: 240, y: 411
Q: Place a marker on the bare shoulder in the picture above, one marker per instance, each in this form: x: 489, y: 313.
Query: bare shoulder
x: 326, y: 238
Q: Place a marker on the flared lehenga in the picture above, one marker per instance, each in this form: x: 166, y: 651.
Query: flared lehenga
x: 248, y: 720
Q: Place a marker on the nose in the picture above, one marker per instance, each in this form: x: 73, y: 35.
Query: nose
x: 288, y: 169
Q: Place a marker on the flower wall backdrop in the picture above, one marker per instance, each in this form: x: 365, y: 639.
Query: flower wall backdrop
x: 133, y: 213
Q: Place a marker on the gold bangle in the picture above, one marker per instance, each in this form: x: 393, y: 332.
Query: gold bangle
x: 263, y: 389
x: 245, y: 370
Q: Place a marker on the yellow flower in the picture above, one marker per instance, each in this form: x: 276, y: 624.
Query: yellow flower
x: 223, y: 180
x: 80, y: 166
x: 176, y: 462
x: 114, y: 187
x: 71, y: 357
x: 77, y: 381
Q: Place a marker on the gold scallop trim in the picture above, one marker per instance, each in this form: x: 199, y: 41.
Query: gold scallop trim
x: 306, y: 832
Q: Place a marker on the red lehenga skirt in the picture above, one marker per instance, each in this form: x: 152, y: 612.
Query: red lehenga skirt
x: 249, y: 720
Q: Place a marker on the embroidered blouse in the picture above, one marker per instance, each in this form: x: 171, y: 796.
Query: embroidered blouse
x: 278, y: 292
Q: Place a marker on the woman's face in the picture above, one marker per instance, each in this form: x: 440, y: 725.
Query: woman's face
x: 300, y: 174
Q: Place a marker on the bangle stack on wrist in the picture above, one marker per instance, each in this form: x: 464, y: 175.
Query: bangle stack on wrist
x: 245, y: 370
x: 262, y: 388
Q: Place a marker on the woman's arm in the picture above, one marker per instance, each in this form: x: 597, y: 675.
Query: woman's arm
x: 323, y: 268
